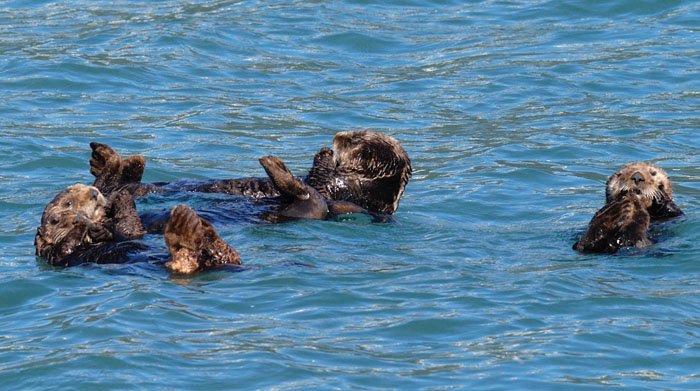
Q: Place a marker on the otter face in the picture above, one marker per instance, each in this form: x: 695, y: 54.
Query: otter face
x: 74, y: 217
x: 644, y: 179
x: 648, y: 181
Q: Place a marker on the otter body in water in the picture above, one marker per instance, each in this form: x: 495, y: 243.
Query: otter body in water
x: 637, y: 195
x: 366, y: 171
x: 81, y: 225
x: 367, y: 168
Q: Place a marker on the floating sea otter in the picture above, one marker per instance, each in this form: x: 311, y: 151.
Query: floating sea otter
x: 81, y: 225
x: 365, y: 171
x: 636, y: 196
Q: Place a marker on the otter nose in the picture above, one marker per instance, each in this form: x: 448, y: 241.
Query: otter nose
x: 637, y: 177
x: 94, y: 193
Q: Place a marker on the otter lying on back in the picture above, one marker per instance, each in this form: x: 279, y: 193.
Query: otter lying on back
x: 367, y: 168
x: 636, y: 196
x: 365, y: 171
x: 76, y: 218
x: 81, y: 225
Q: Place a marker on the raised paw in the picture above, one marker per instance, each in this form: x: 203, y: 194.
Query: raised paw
x: 184, y: 236
x: 126, y: 221
x: 132, y: 169
x: 286, y: 183
x: 104, y: 160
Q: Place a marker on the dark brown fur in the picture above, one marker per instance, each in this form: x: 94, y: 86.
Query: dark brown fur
x: 623, y: 222
x: 367, y: 168
x: 81, y: 217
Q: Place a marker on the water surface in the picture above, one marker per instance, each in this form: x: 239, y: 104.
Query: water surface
x: 514, y: 114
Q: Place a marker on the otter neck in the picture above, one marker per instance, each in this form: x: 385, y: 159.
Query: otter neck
x: 321, y: 176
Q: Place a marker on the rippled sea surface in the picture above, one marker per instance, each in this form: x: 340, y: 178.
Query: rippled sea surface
x: 514, y: 114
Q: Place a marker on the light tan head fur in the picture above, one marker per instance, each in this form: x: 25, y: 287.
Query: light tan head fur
x: 645, y: 179
x: 63, y: 215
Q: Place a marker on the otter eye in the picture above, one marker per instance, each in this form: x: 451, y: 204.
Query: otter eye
x: 54, y: 221
x: 652, y: 172
x: 67, y: 204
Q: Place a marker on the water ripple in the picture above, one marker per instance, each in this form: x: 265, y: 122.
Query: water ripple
x: 514, y: 114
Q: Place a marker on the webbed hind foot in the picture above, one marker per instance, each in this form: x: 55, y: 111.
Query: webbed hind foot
x: 286, y: 183
x: 194, y: 244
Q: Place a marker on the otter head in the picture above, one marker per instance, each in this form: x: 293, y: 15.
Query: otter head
x: 75, y: 217
x: 376, y: 167
x: 650, y: 183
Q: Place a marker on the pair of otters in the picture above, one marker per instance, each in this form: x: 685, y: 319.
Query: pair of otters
x: 637, y: 195
x: 365, y: 172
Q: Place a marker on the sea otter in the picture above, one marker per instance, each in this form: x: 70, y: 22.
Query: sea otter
x: 637, y: 195
x: 366, y: 168
x: 74, y: 218
x: 365, y: 171
x: 295, y: 198
x: 81, y: 225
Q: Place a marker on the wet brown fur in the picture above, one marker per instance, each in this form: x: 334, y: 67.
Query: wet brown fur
x: 623, y: 222
x: 367, y: 168
x: 637, y: 195
x: 75, y: 218
x: 79, y: 224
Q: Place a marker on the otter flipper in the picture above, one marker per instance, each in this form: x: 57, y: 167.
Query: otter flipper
x: 286, y: 183
x: 184, y: 236
x: 299, y: 200
x: 105, y: 166
x: 132, y: 169
x: 112, y: 173
x: 194, y: 244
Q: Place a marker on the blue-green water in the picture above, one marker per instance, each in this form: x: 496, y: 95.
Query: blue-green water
x: 514, y: 113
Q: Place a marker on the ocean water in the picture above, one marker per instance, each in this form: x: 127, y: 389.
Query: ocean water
x: 513, y: 112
